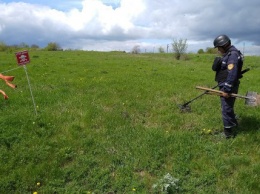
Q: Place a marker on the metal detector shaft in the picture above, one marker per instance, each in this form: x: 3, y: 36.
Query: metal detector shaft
x: 185, y: 104
x: 219, y: 93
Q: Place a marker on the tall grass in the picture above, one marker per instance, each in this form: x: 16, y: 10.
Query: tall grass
x: 110, y: 123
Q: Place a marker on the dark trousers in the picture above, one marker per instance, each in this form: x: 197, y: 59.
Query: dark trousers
x: 227, y: 109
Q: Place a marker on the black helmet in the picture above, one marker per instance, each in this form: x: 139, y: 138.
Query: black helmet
x: 221, y: 40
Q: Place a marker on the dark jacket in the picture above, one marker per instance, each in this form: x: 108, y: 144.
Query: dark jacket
x: 228, y: 69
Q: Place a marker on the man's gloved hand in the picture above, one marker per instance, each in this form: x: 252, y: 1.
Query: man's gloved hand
x: 227, y: 88
x: 217, y: 64
x: 226, y: 95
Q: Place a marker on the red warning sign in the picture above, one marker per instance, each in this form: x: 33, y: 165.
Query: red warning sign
x: 22, y: 57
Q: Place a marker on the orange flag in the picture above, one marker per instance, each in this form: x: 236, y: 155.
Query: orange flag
x: 10, y: 84
x: 4, y: 94
x: 7, y: 80
x: 6, y: 77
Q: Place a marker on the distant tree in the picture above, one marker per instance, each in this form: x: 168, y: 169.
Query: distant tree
x: 3, y: 46
x: 53, y: 46
x: 23, y: 45
x: 34, y: 46
x: 179, y: 47
x: 14, y: 47
x: 161, y: 49
x: 201, y: 51
x: 136, y: 49
x: 211, y: 50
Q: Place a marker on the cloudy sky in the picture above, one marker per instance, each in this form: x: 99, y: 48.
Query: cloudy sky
x: 106, y: 25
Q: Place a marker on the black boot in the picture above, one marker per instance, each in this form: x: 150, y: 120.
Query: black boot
x: 228, y: 133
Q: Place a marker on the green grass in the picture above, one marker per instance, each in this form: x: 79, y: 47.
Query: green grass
x: 110, y: 123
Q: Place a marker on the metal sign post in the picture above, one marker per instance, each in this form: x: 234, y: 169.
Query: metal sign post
x: 22, y: 59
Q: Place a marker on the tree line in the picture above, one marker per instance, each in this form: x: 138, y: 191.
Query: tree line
x: 179, y: 48
x: 52, y: 46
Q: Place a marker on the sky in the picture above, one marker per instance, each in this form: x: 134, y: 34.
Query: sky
x: 120, y: 25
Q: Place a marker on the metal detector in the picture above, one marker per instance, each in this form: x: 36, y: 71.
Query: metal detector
x: 186, y: 108
x: 251, y: 98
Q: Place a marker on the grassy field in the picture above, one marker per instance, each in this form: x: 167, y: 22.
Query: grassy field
x: 110, y: 123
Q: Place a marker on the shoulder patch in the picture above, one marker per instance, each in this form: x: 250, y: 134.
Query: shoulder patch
x: 230, y: 66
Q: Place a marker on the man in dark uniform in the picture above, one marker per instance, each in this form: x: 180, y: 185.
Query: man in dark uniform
x: 228, y: 72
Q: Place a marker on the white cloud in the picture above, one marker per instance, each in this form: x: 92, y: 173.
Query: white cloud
x: 106, y: 17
